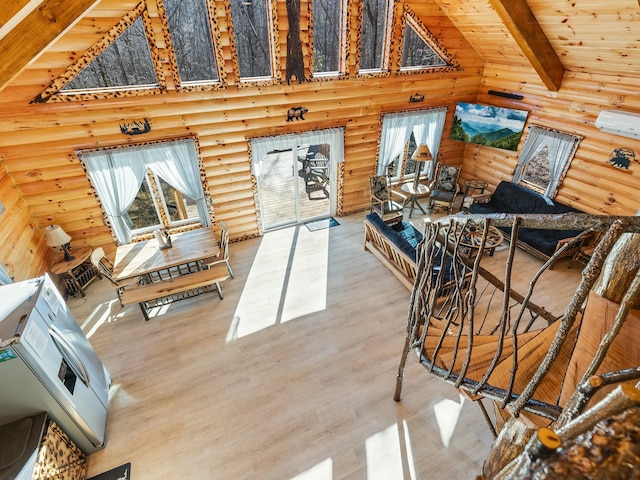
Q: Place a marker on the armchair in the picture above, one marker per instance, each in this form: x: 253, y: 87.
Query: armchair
x: 445, y: 188
x: 381, y: 200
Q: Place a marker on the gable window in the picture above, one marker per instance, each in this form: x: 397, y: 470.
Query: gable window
x: 125, y: 63
x: 189, y: 25
x: 328, y: 36
x: 401, y: 134
x: 146, y: 187
x: 373, y: 38
x: 251, y: 28
x: 416, y: 51
x: 545, y: 159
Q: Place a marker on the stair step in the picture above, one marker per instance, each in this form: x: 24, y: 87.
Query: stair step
x: 529, y: 357
x: 482, y: 355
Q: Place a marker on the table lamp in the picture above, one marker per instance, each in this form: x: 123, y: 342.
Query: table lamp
x: 421, y: 154
x: 57, y: 237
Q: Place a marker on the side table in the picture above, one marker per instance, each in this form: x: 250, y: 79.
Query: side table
x: 76, y: 273
x: 474, y: 184
x: 414, y: 193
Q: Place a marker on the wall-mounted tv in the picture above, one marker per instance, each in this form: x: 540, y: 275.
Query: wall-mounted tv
x: 487, y: 125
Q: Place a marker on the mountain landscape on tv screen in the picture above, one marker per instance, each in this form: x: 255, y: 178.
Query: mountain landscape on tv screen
x: 488, y: 125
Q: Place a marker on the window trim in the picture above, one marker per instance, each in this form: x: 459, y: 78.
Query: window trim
x: 172, y: 229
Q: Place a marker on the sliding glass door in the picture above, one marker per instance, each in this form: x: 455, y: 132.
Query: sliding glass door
x: 296, y: 177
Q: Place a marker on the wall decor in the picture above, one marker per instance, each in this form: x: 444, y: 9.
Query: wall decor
x: 135, y: 127
x: 296, y: 113
x: 622, y: 158
x: 416, y: 98
x: 488, y: 125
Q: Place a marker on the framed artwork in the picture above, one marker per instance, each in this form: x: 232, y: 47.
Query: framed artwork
x: 488, y: 125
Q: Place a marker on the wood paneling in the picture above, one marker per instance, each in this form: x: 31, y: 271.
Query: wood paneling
x: 46, y: 183
x: 23, y: 251
x: 591, y: 184
x: 38, y: 141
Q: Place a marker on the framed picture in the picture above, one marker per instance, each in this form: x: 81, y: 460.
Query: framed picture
x: 488, y: 125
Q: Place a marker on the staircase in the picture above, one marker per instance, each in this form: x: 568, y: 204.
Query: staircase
x: 493, y: 342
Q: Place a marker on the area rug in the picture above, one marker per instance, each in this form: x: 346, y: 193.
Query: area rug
x: 123, y: 472
x: 322, y: 224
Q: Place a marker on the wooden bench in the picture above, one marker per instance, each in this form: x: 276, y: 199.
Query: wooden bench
x: 167, y: 291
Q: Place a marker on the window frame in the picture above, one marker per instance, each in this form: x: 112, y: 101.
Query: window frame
x: 165, y: 222
x: 384, y: 68
x: 342, y: 48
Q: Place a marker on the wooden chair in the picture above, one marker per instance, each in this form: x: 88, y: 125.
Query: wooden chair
x: 105, y: 268
x: 445, y: 188
x: 381, y: 200
x: 316, y: 175
x: 224, y: 250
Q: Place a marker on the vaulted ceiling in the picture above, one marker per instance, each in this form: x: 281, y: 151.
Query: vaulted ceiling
x: 592, y: 36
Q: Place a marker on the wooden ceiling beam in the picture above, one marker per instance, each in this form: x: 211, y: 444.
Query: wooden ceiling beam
x: 35, y: 32
x: 526, y: 31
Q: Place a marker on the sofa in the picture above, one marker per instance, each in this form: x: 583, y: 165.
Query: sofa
x: 512, y: 198
x: 396, y: 247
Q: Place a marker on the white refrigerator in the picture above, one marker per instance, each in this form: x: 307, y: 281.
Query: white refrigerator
x: 48, y: 365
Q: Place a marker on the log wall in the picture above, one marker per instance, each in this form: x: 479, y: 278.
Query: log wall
x: 23, y: 251
x: 591, y: 184
x: 38, y: 141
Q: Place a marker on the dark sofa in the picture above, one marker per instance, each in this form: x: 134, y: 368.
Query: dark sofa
x: 511, y: 198
x: 395, y: 246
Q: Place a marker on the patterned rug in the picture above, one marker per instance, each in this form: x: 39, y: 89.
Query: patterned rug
x: 322, y: 224
x: 123, y: 472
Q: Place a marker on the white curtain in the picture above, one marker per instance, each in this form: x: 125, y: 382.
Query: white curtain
x: 176, y: 163
x: 260, y: 147
x: 428, y: 130
x: 427, y: 127
x: 561, y: 148
x: 535, y: 142
x: 396, y: 130
x: 116, y: 175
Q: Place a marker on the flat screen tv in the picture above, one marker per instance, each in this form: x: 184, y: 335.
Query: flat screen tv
x: 487, y: 125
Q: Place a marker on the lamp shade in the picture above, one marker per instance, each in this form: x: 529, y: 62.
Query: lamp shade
x: 422, y: 154
x: 56, y: 236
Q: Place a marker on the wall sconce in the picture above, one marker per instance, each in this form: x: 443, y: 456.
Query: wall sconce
x: 416, y: 98
x: 57, y: 237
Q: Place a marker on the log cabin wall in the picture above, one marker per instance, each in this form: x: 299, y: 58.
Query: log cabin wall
x: 591, y: 183
x: 42, y: 181
x: 23, y: 251
x: 38, y: 141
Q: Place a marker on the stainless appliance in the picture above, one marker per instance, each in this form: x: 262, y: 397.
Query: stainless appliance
x: 47, y: 364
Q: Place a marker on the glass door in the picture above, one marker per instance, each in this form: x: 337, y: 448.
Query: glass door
x: 295, y: 184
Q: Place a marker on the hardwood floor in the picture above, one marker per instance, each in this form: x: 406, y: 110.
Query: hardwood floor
x: 290, y: 376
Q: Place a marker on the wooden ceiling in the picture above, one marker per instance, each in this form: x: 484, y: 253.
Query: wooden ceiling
x: 40, y: 38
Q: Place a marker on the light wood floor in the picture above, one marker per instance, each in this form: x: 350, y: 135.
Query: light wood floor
x: 291, y: 376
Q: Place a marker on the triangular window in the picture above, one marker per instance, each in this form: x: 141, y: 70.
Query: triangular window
x: 418, y: 50
x: 125, y: 63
